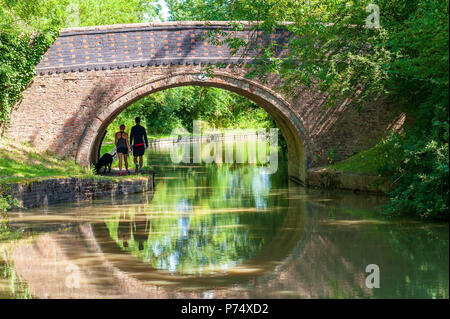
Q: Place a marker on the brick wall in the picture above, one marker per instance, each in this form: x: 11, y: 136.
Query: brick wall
x: 52, y: 191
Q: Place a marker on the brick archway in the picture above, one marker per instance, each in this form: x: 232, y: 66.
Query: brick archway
x: 289, y: 124
x: 91, y: 74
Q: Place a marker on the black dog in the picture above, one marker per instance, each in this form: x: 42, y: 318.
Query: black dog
x: 104, y: 161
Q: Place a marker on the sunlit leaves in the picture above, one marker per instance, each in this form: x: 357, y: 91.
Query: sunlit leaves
x: 179, y: 107
x: 28, y: 28
x: 405, y: 61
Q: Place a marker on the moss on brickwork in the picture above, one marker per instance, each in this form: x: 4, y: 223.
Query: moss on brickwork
x: 368, y: 161
x: 358, y: 173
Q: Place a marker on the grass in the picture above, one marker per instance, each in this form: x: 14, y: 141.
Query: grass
x: 108, y: 144
x: 368, y: 161
x: 21, y: 162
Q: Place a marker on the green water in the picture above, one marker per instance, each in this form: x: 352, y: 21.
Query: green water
x: 218, y: 231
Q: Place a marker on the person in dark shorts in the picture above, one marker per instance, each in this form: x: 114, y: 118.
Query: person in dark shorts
x: 138, y: 138
x: 122, y: 148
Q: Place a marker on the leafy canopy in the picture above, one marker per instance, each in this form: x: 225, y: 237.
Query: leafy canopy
x: 404, y: 60
x: 28, y: 28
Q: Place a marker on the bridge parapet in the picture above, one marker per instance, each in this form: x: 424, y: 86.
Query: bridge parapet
x: 152, y: 44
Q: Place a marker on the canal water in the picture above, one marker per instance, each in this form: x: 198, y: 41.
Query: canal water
x: 223, y: 231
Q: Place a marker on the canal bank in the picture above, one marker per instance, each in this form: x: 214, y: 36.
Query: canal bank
x: 329, y: 178
x: 42, y: 192
x: 39, y: 192
x: 36, y: 178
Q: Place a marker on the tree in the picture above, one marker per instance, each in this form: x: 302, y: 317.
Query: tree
x: 179, y: 107
x: 336, y: 47
x: 194, y: 10
x: 28, y: 28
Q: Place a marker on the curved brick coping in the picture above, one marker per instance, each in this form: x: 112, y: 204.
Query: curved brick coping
x: 56, y: 190
x: 147, y: 44
x: 358, y: 182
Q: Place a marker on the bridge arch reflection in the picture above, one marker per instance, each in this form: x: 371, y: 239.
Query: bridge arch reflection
x: 289, y: 237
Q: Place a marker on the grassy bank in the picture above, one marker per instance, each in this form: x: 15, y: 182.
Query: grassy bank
x: 22, y: 162
x: 369, y: 161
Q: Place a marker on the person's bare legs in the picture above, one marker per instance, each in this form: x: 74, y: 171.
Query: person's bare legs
x: 120, y: 162
x: 126, y: 162
x: 135, y: 163
x: 141, y: 162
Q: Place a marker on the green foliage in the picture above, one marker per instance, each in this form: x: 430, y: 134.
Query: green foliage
x: 178, y: 107
x: 324, y: 52
x: 214, y: 204
x: 19, y: 162
x: 93, y: 12
x: 6, y: 202
x: 28, y: 28
x: 20, y: 51
x: 420, y: 85
x: 405, y: 60
x: 331, y: 155
x: 368, y: 161
x: 419, y: 173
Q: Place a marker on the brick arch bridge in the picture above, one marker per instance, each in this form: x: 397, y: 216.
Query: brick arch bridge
x: 89, y: 75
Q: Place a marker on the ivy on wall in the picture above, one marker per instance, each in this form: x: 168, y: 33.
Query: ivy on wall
x: 20, y: 52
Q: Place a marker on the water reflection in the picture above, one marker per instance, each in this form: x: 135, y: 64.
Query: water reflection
x: 205, y: 229
x: 223, y: 231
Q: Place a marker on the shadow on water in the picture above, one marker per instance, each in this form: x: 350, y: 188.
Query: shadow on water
x: 224, y: 232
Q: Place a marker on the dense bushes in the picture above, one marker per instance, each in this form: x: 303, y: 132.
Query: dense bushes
x: 20, y: 52
x: 405, y: 60
x: 419, y: 84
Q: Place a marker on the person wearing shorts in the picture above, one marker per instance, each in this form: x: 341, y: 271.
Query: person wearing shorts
x: 122, y: 148
x: 138, y: 138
